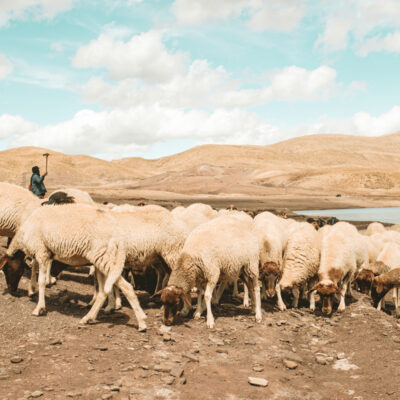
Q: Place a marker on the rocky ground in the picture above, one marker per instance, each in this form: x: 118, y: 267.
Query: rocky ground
x: 296, y: 354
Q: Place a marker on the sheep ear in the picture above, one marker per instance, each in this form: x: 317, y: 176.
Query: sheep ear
x: 315, y: 287
x: 186, y: 299
x: 3, y: 262
x: 159, y: 293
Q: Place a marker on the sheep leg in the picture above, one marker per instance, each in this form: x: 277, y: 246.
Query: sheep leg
x: 32, y: 282
x: 235, y: 289
x: 200, y: 305
x: 218, y: 293
x: 112, y: 300
x: 44, y: 266
x: 281, y: 304
x: 246, y: 302
x: 343, y: 290
x: 159, y: 281
x: 296, y: 295
x: 380, y: 305
x: 165, y: 280
x: 263, y: 289
x: 95, y: 289
x: 312, y: 300
x: 254, y: 292
x: 130, y: 294
x: 99, y: 301
x: 207, y: 297
x: 92, y: 270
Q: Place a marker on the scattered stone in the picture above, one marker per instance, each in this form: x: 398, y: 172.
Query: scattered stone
x: 321, y: 360
x: 258, y: 381
x: 258, y: 368
x: 74, y: 394
x: 340, y: 356
x: 177, y: 372
x: 182, y: 381
x: 162, y: 368
x: 3, y: 377
x: 107, y: 396
x: 290, y: 355
x: 115, y: 388
x: 396, y: 340
x: 290, y: 364
x: 164, y: 329
x: 168, y: 380
x: 167, y: 337
x: 36, y: 394
x: 56, y: 342
x: 16, y: 360
x: 190, y: 357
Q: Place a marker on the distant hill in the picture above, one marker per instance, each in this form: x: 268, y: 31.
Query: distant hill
x: 317, y: 162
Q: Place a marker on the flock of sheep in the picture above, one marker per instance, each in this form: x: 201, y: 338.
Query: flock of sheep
x: 194, y: 249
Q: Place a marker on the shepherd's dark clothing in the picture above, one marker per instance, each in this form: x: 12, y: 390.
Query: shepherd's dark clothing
x: 38, y: 187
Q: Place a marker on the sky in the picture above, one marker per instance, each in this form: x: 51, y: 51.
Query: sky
x: 150, y: 78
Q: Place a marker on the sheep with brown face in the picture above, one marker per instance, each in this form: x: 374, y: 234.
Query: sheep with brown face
x: 217, y: 251
x: 364, y: 280
x: 343, y: 252
x: 272, y: 236
x: 13, y: 268
x: 300, y: 263
x: 231, y: 207
x: 382, y: 284
x: 173, y: 299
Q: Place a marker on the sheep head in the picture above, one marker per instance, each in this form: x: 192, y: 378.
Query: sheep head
x: 378, y: 291
x: 364, y: 280
x: 13, y: 267
x: 173, y: 299
x: 270, y: 274
x: 326, y: 290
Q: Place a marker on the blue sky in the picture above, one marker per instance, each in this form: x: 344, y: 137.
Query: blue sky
x: 150, y: 78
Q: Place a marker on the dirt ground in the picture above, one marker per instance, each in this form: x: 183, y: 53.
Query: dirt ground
x: 302, y: 355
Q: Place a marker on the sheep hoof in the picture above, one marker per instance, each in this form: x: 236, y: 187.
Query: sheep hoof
x: 87, y: 320
x: 108, y: 310
x: 282, y: 307
x: 258, y: 319
x: 31, y: 293
x: 39, y: 311
x: 197, y: 315
x: 312, y: 308
x: 340, y: 309
x: 142, y: 327
x: 210, y: 324
x: 246, y: 304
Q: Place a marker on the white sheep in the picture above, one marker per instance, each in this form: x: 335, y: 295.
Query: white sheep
x: 343, y: 252
x: 217, y: 251
x: 79, y: 196
x: 272, y: 235
x: 81, y: 235
x: 300, y: 263
x: 374, y: 227
x: 194, y: 215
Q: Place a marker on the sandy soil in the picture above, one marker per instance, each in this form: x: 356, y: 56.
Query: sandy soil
x: 350, y: 356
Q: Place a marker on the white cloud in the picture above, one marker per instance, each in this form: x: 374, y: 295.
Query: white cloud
x: 14, y: 125
x: 144, y: 56
x: 277, y: 15
x: 360, y: 19
x: 19, y: 9
x: 126, y: 131
x: 203, y: 86
x: 57, y: 46
x: 389, y: 43
x: 5, y: 66
x: 260, y: 14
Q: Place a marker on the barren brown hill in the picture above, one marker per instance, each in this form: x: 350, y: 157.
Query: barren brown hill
x: 329, y: 163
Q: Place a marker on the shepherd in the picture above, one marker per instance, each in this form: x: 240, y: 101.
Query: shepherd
x: 37, y: 185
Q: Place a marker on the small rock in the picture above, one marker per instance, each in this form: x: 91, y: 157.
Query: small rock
x: 182, y: 381
x: 56, y: 342
x: 162, y: 368
x: 168, y: 380
x: 258, y: 381
x: 107, y: 396
x: 16, y: 360
x: 258, y: 368
x: 115, y: 388
x: 190, y: 357
x: 4, y: 377
x: 167, y: 337
x: 36, y: 394
x: 177, y: 372
x: 164, y: 329
x: 396, y: 340
x: 340, y: 356
x: 321, y: 360
x: 290, y: 364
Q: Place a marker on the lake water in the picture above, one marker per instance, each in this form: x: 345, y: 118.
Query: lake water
x: 388, y: 214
